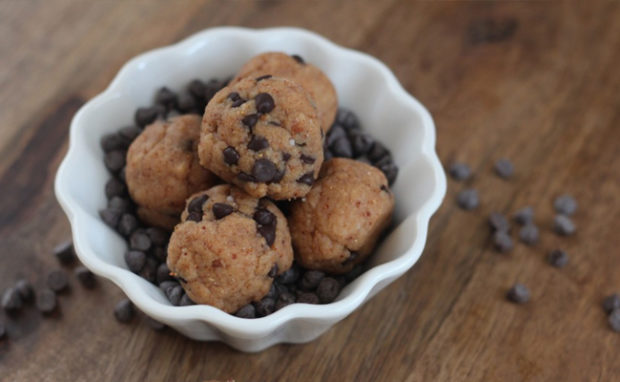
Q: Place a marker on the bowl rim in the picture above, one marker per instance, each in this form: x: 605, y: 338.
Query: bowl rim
x: 225, y: 322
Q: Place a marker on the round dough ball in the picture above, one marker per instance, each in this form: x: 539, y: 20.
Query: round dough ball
x: 229, y: 247
x: 337, y: 224
x: 163, y: 169
x: 264, y: 136
x: 311, y: 78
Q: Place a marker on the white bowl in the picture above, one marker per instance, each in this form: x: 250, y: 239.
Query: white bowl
x: 364, y: 85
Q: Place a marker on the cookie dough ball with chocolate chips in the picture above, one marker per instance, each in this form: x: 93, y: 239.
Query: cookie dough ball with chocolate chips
x: 294, y: 68
x: 229, y: 247
x: 264, y: 136
x: 163, y: 169
x: 337, y: 224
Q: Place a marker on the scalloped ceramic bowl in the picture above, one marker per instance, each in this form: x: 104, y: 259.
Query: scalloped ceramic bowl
x: 364, y: 85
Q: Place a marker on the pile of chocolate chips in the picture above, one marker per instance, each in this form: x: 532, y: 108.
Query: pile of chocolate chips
x: 147, y: 246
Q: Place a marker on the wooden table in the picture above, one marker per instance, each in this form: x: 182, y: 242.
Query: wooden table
x: 535, y: 82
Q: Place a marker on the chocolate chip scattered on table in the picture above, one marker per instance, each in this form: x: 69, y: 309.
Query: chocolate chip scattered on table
x: 519, y: 294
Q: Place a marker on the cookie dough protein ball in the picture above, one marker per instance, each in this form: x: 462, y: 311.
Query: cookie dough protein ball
x: 337, y: 224
x: 163, y: 169
x: 294, y: 68
x: 264, y: 136
x: 229, y: 247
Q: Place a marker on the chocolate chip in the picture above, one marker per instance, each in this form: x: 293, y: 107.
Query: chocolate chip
x: 275, y: 123
x: 124, y: 311
x: 247, y: 311
x: 459, y: 171
x: 311, y: 280
x: 525, y: 215
x: 129, y: 133
x: 149, y: 271
x: 504, y: 168
x: 529, y: 234
x: 197, y: 89
x: 119, y: 204
x: 565, y: 204
x: 127, y: 225
x: 563, y: 225
x: 160, y: 253
x: 2, y: 330
x: 231, y: 156
x: 327, y: 155
x: 361, y: 142
x: 242, y: 176
x: 611, y: 303
x: 46, y: 301
x: 558, y: 258
x: 387, y: 159
x: 64, y: 252
x: 187, y: 104
x: 308, y: 159
x: 390, y: 170
x: 236, y: 99
x: 307, y: 178
x: 266, y: 76
x: 166, y: 98
x: 384, y: 188
x: 114, y: 187
x: 354, y: 273
x: 135, y: 260
x: 258, y: 143
x: 290, y: 276
x: 347, y: 119
x: 264, y: 170
x: 342, y: 148
x: 334, y: 134
x: 174, y: 294
x: 328, y: 290
x: 264, y: 217
x: 468, y: 199
x: 614, y: 320
x: 274, y: 290
x: 113, y: 142
x: 264, y: 103
x: 285, y: 299
x: 163, y: 273
x: 158, y: 236
x: 165, y: 285
x: 139, y: 241
x: 308, y: 298
x: 233, y: 96
x: 146, y: 115
x: 268, y: 232
x: 273, y: 272
x: 24, y: 288
x: 11, y: 300
x: 186, y: 301
x: 122, y: 174
x: 298, y: 58
x: 196, y: 204
x: 250, y: 120
x: 518, y: 294
x: 352, y: 256
x: 85, y: 277
x: 221, y: 210
x: 114, y: 160
x: 265, y: 307
x: 502, y: 241
x: 57, y: 280
x: 498, y: 222
x: 194, y: 216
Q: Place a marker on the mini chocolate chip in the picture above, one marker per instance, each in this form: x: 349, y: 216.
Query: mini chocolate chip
x: 135, y: 260
x: 57, y: 280
x: 231, y: 156
x: 196, y: 204
x: 525, y: 215
x: 258, y: 143
x: 518, y: 294
x: 307, y: 178
x: 11, y: 300
x: 565, y: 204
x: 298, y: 58
x: 307, y: 298
x: 498, y: 222
x: 275, y: 123
x: 163, y: 273
x: 46, y: 301
x: 187, y: 104
x: 468, y: 199
x: 390, y: 170
x: 290, y: 276
x: 85, y: 277
x: 286, y: 157
x: 266, y: 76
x: 113, y: 142
x: 342, y: 148
x: 247, y: 311
x: 285, y: 299
x: 145, y: 115
x: 139, y: 241
x: 264, y: 216
x: 127, y: 225
x: 242, y: 176
x: 124, y: 311
x: 194, y: 216
x: 122, y: 174
x: 165, y: 285
x: 159, y: 253
x: 197, y: 89
x: 384, y: 188
x: 504, y: 168
x: 186, y: 301
x: 327, y: 155
x: 529, y: 234
x: 383, y: 161
x: 149, y: 271
x: 334, y: 134
x: 166, y: 98
x: 158, y: 236
x: 558, y: 258
x: 328, y: 290
x: 250, y: 120
x: 64, y: 252
x: 311, y: 280
x: 347, y: 119
x: 563, y: 225
x: 307, y: 158
x: 502, y: 241
x: 614, y: 320
x: 377, y: 152
x: 361, y: 142
x: 264, y: 103
x: 233, y: 96
x: 354, y: 273
x: 114, y: 187
x: 236, y: 99
x: 24, y: 288
x: 273, y: 272
x: 265, y: 307
x: 174, y: 294
x: 264, y: 170
x: 459, y: 171
x: 268, y: 232
x: 119, y: 204
x: 221, y: 210
x: 114, y: 160
x: 274, y: 290
x: 611, y: 303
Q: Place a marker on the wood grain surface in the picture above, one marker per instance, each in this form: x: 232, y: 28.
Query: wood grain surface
x: 536, y: 82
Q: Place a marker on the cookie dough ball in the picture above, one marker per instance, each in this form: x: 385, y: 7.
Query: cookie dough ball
x: 337, y: 224
x: 163, y: 169
x: 229, y: 247
x: 294, y: 68
x: 264, y: 136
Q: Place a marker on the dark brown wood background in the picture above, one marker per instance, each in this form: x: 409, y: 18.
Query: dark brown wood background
x: 537, y: 82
